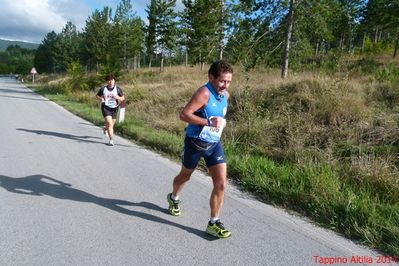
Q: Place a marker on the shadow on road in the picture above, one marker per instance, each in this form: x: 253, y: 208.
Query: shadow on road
x: 62, y: 135
x: 21, y: 93
x: 68, y: 136
x: 25, y: 98
x: 39, y: 185
x: 21, y: 90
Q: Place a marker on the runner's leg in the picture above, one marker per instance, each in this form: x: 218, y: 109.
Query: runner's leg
x: 219, y: 177
x: 109, y: 125
x: 181, y: 179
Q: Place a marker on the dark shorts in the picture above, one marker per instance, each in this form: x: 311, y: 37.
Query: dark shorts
x: 107, y: 111
x: 195, y: 149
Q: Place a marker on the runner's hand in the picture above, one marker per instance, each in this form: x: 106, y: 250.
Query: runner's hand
x: 218, y: 121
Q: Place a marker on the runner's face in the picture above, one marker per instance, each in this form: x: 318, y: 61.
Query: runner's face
x: 111, y: 83
x: 221, y: 83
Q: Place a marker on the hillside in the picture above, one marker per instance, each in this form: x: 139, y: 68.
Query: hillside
x: 325, y: 146
x: 5, y: 43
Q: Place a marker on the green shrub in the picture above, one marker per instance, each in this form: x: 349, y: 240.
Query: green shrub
x: 371, y: 47
x: 389, y: 73
x: 366, y: 65
x: 386, y: 93
x: 91, y: 83
x: 134, y: 95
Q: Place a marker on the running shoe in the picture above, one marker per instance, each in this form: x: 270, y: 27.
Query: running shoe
x: 174, y: 208
x: 217, y: 229
x: 111, y: 142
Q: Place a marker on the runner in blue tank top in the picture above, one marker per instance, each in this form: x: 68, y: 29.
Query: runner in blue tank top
x: 205, y: 114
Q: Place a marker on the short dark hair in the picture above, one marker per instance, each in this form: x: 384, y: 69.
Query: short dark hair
x: 109, y: 77
x: 219, y: 67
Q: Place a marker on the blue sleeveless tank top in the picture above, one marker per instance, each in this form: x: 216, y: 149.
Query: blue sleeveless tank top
x: 217, y: 106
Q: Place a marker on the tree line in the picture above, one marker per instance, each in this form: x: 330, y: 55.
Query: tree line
x: 16, y: 59
x: 269, y: 33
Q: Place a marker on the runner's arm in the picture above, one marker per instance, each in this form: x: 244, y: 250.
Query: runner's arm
x: 198, y: 101
x: 100, y: 95
x: 120, y: 96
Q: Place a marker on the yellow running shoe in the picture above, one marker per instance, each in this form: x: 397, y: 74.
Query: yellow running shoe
x: 217, y: 229
x: 174, y: 208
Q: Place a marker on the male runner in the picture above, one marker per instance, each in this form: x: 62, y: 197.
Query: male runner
x: 205, y: 114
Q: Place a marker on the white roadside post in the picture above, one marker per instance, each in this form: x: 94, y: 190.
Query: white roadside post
x: 122, y: 112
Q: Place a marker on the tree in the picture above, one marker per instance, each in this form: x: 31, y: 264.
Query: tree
x: 97, y: 37
x: 284, y: 68
x: 120, y: 31
x: 203, y: 22
x: 391, y: 21
x: 136, y: 39
x: 165, y: 28
x: 259, y: 28
x: 346, y: 21
x: 66, y: 47
x: 381, y: 24
x: 256, y: 32
x: 150, y: 38
x: 128, y: 33
x: 57, y: 51
x: 44, y: 60
x: 16, y: 59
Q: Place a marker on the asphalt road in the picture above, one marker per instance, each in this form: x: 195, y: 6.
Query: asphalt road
x: 66, y: 198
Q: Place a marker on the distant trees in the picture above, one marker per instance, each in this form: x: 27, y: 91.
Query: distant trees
x: 16, y: 60
x: 165, y: 28
x: 97, y: 38
x: 108, y: 42
x: 66, y: 48
x: 150, y: 38
x: 57, y: 51
x: 161, y: 30
x: 381, y: 22
x: 203, y: 24
x: 44, y: 60
x: 128, y: 35
x: 248, y: 32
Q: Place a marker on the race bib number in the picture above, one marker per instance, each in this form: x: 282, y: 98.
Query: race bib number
x: 211, y: 134
x: 111, y: 102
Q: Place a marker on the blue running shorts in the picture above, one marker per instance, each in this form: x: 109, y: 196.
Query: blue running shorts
x: 194, y: 149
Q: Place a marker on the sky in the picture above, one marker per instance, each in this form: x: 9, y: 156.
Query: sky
x: 31, y: 20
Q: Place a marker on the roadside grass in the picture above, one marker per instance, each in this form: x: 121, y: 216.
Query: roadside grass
x: 134, y: 129
x: 324, y: 147
x: 317, y: 191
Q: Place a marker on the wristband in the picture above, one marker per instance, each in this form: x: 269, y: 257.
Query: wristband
x: 209, y: 122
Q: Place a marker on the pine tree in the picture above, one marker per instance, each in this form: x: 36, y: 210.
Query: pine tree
x: 97, y: 37
x: 44, y: 59
x: 150, y: 38
x: 127, y: 34
x: 203, y: 21
x: 165, y: 28
x: 66, y: 47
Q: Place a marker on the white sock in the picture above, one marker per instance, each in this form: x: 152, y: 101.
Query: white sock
x: 213, y: 219
x: 174, y: 197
